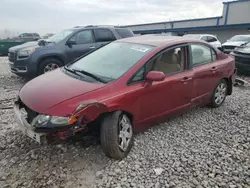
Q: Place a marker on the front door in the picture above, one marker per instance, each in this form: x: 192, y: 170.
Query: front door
x: 83, y: 43
x: 205, y: 70
x: 166, y: 97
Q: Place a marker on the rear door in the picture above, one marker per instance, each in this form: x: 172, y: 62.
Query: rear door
x: 84, y: 42
x: 103, y: 36
x: 206, y: 72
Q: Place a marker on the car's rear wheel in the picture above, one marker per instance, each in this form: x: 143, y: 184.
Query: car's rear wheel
x: 116, y: 135
x: 219, y: 94
x: 48, y: 65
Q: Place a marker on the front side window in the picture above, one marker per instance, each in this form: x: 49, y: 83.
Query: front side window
x: 171, y: 61
x: 83, y: 37
x: 202, y: 54
x: 104, y: 35
x: 113, y: 60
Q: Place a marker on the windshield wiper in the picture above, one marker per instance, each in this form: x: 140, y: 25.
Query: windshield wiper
x: 71, y: 70
x: 91, y: 75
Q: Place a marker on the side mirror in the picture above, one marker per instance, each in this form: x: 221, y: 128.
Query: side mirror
x: 70, y: 43
x: 155, y: 76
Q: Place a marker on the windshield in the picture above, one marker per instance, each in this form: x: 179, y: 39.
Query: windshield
x: 248, y: 44
x: 113, y: 60
x: 240, y: 38
x: 59, y: 36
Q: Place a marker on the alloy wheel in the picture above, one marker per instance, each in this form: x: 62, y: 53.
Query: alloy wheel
x: 220, y: 93
x: 50, y: 67
x: 125, y: 133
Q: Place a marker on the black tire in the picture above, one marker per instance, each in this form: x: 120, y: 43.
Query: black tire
x: 110, y: 131
x: 215, y: 104
x: 46, y: 62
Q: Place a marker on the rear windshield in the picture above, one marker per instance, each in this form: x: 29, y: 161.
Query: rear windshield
x: 124, y: 33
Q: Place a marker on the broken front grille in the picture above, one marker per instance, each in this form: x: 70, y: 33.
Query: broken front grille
x: 31, y: 114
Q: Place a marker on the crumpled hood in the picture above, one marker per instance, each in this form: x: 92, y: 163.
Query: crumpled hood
x: 52, y: 88
x: 233, y: 43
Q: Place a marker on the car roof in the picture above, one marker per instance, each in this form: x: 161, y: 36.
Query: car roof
x: 156, y: 40
x: 98, y: 26
x: 201, y: 35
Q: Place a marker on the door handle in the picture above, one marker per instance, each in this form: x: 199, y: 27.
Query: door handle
x: 213, y: 69
x: 185, y: 79
x: 91, y: 47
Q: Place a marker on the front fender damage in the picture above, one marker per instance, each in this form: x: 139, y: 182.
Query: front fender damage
x: 89, y: 111
x: 84, y: 114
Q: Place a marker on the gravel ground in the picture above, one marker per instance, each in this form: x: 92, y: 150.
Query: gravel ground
x: 203, y: 148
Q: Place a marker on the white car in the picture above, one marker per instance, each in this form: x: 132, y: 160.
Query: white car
x: 206, y: 37
x: 234, y: 42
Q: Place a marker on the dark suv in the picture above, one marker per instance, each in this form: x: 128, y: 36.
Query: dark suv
x: 37, y: 57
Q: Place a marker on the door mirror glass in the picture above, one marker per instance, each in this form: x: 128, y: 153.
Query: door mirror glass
x: 155, y: 76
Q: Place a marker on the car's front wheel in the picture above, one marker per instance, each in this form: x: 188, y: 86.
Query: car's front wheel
x: 219, y: 94
x: 49, y: 64
x: 116, y: 135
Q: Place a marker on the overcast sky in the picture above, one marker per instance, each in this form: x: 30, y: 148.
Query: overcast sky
x: 44, y: 16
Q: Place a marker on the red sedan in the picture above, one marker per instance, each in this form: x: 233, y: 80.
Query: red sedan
x: 125, y: 87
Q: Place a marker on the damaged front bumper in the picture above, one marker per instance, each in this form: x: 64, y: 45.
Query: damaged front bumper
x: 44, y: 134
x: 26, y: 128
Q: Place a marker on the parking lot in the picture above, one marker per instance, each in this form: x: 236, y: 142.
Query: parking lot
x: 202, y: 148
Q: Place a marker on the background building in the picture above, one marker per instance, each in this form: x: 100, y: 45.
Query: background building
x: 235, y: 19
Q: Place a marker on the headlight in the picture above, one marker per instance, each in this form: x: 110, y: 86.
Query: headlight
x: 26, y: 52
x: 42, y: 120
x: 59, y: 120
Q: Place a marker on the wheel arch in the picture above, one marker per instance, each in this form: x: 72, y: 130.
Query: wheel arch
x: 97, y: 122
x: 55, y: 56
x: 229, y: 85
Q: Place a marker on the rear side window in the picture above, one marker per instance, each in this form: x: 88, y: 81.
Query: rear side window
x: 104, y: 35
x: 124, y: 33
x: 211, y: 39
x: 202, y: 54
x: 36, y: 35
x: 28, y: 35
